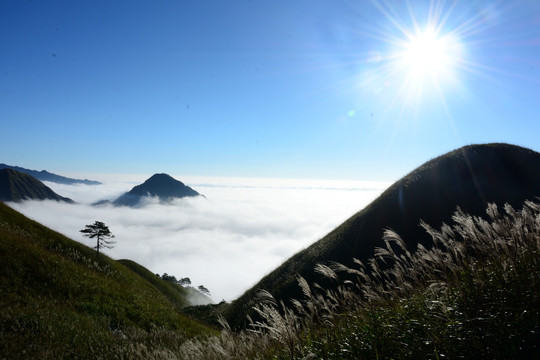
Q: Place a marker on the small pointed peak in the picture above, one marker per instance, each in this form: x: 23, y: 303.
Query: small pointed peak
x: 161, y: 178
x: 160, y: 185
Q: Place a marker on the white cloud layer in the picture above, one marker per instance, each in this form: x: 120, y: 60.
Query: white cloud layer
x: 241, y: 231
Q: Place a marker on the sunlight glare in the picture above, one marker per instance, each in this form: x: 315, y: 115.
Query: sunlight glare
x: 426, y: 62
x: 427, y: 54
x: 424, y: 51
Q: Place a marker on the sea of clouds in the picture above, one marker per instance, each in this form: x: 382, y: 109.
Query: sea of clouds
x: 228, y: 240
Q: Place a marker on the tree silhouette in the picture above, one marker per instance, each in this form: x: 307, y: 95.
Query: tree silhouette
x: 204, y: 290
x: 101, y: 232
x: 185, y: 281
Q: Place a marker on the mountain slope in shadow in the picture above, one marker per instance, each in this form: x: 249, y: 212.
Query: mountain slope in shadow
x: 17, y: 186
x: 469, y: 177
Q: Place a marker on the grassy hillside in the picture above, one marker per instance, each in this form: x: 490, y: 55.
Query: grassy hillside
x: 468, y: 177
x: 175, y: 293
x: 179, y: 295
x: 59, y: 300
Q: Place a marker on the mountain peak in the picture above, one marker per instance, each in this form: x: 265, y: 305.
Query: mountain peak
x: 161, y: 179
x: 162, y: 186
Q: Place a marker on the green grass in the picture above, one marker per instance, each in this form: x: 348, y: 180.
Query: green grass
x: 58, y: 297
x: 175, y: 293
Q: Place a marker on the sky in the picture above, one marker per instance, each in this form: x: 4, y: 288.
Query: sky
x: 355, y: 90
x: 226, y: 241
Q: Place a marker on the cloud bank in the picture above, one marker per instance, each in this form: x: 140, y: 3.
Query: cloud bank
x: 241, y: 231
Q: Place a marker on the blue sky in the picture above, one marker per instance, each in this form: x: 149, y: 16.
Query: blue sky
x: 290, y: 89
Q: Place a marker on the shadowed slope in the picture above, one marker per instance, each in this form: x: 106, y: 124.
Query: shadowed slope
x: 468, y: 177
x: 17, y: 186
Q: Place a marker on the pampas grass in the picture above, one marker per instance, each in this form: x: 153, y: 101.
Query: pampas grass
x: 474, y: 292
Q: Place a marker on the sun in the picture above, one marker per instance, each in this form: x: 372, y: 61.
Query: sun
x: 427, y: 55
x: 423, y: 62
x: 427, y: 60
x: 423, y: 53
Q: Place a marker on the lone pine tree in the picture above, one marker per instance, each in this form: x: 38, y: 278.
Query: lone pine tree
x: 101, y: 232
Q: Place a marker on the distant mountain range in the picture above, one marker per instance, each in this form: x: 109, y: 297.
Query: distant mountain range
x: 18, y: 186
x: 469, y: 177
x: 162, y: 186
x: 47, y: 176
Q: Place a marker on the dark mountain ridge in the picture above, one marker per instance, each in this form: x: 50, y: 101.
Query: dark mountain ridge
x: 162, y: 186
x: 469, y: 177
x: 17, y: 186
x: 47, y: 176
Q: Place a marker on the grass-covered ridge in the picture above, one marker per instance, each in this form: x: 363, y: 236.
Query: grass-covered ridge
x: 474, y: 294
x: 469, y: 177
x: 59, y: 300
